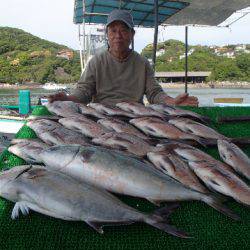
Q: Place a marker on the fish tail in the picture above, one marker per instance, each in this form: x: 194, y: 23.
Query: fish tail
x: 205, y: 120
x: 205, y: 142
x: 160, y: 218
x: 217, y: 204
x: 240, y: 141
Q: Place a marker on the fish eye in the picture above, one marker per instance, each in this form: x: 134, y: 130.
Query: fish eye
x: 5, y: 168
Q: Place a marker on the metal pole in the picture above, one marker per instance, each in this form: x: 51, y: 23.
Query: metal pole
x: 186, y: 57
x: 80, y: 44
x: 156, y: 32
x: 83, y: 26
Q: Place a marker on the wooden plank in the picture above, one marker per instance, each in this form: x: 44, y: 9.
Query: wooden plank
x: 228, y: 100
x: 233, y: 119
x: 12, y: 117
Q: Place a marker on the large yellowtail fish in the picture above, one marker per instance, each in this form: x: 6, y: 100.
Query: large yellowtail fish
x: 60, y: 196
x: 121, y: 174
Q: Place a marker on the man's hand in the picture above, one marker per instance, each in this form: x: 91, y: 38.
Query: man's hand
x: 61, y: 96
x: 182, y: 100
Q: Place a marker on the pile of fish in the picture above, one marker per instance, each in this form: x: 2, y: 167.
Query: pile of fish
x: 87, y: 153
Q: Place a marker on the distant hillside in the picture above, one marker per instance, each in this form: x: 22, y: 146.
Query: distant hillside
x: 231, y: 62
x: 27, y: 58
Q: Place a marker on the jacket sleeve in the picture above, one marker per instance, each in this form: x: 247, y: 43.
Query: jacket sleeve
x: 86, y: 86
x: 153, y: 91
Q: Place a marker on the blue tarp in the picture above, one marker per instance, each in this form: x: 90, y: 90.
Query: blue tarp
x: 142, y: 10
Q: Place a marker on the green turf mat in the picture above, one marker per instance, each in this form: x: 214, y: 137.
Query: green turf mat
x: 209, y: 229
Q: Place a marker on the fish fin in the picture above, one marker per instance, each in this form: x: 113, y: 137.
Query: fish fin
x: 152, y: 141
x: 206, y: 142
x: 120, y: 147
x: 216, y: 204
x: 20, y: 206
x: 157, y: 203
x: 96, y: 225
x: 170, y: 229
x: 24, y: 171
x: 164, y: 212
x: 202, y: 119
x: 159, y: 217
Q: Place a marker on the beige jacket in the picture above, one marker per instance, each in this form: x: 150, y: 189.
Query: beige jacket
x: 109, y: 81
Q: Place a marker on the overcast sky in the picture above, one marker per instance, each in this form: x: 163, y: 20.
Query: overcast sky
x: 53, y: 20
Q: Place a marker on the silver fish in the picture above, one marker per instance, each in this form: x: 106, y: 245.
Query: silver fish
x: 138, y: 109
x: 121, y: 127
x: 27, y: 149
x: 156, y: 127
x: 235, y: 157
x: 190, y: 153
x: 63, y: 108
x: 174, y: 111
x: 170, y: 164
x: 222, y: 181
x: 43, y: 125
x: 57, y: 195
x: 86, y: 110
x: 195, y: 128
x: 54, y: 133
x: 84, y: 125
x: 124, y: 141
x: 110, y: 111
x: 121, y: 174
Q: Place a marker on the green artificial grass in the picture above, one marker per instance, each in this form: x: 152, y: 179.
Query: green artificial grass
x: 209, y: 228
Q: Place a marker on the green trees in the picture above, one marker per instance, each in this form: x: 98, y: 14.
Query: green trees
x: 243, y: 63
x: 201, y: 58
x: 24, y: 57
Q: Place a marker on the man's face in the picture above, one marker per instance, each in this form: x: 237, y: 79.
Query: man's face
x: 119, y: 36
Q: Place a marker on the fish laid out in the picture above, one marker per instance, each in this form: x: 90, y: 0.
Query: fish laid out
x: 54, y: 133
x: 88, y: 111
x: 174, y: 111
x: 156, y: 127
x: 169, y: 163
x: 110, y: 111
x: 124, y: 142
x: 235, y: 157
x: 119, y: 126
x: 196, y: 128
x: 83, y: 125
x: 27, y: 149
x: 36, y: 188
x: 190, y: 153
x: 139, y: 109
x: 215, y: 174
x: 122, y: 174
x: 224, y: 182
x: 96, y: 149
x: 63, y: 108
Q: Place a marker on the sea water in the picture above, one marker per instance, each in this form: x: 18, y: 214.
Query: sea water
x: 205, y: 95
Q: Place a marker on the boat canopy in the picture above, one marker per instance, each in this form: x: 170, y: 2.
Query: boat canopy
x: 96, y: 11
x: 188, y: 12
x: 204, y: 12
